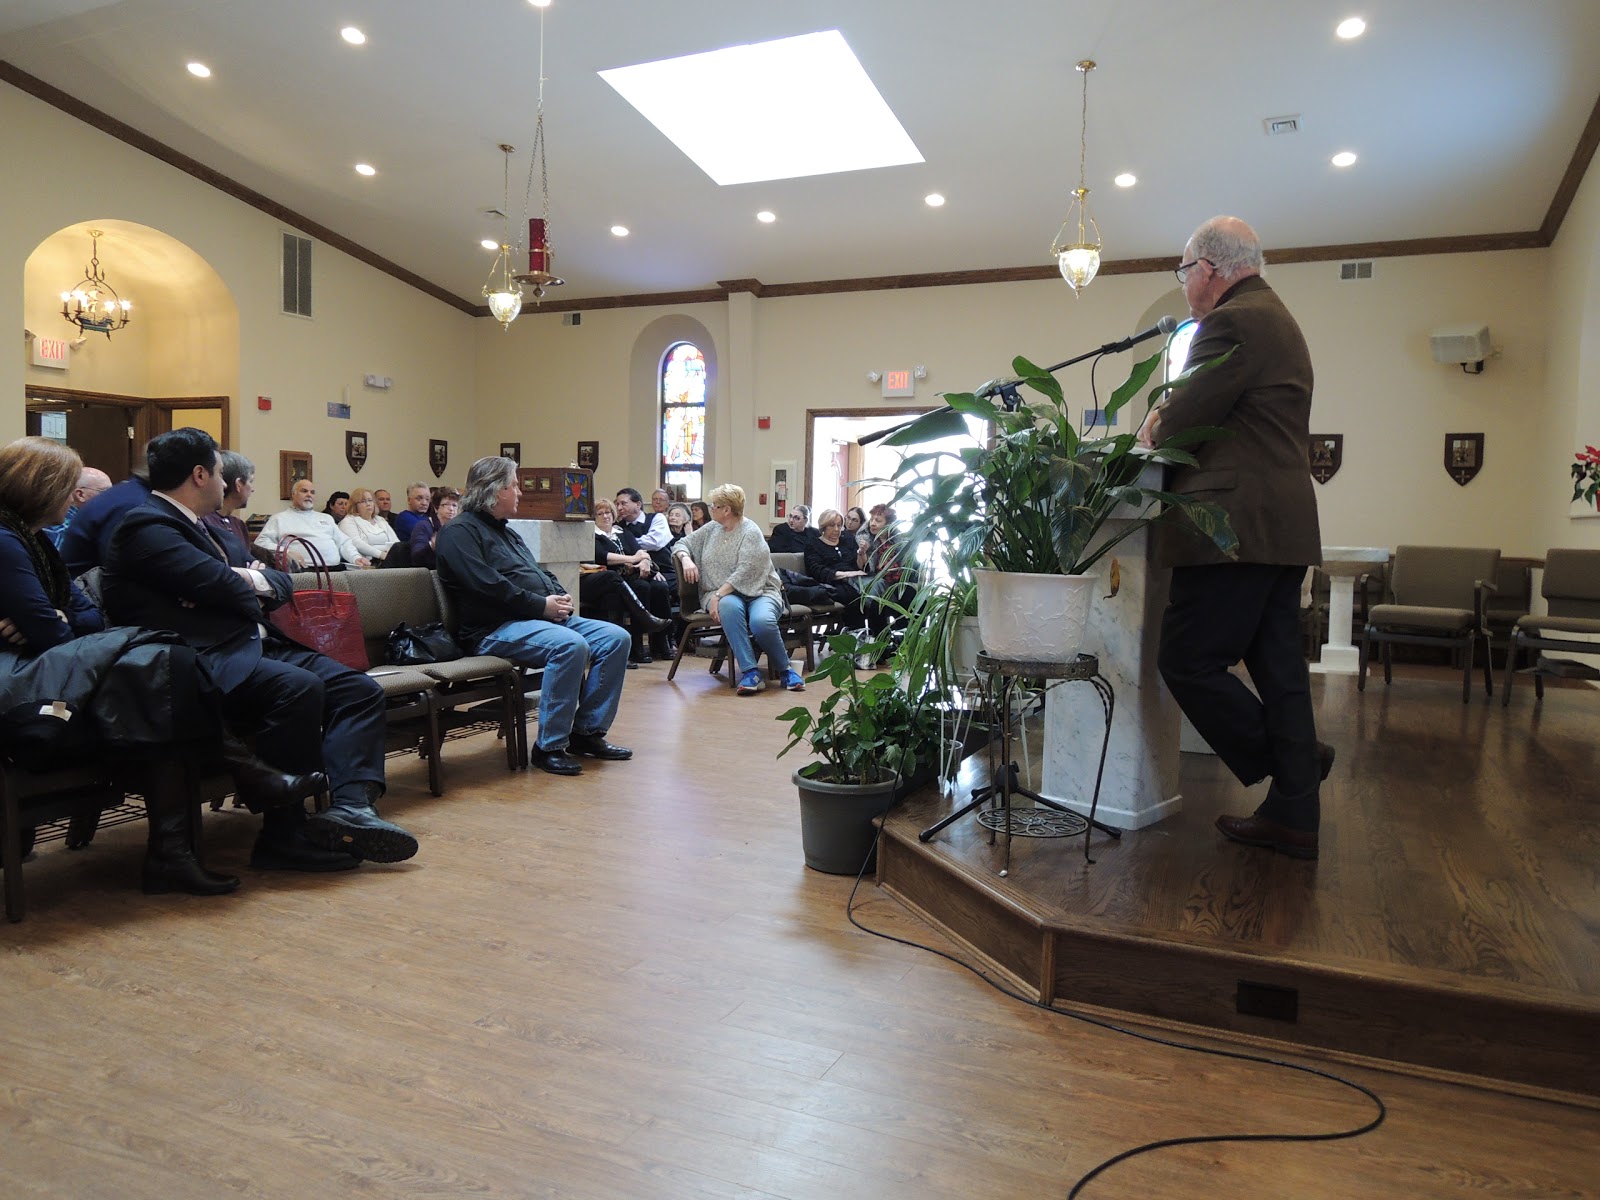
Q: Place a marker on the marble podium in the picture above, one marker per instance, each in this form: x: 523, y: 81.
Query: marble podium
x: 1141, y: 779
x: 559, y: 546
x: 1342, y: 565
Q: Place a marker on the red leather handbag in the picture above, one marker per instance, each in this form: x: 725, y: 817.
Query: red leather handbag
x: 327, y: 621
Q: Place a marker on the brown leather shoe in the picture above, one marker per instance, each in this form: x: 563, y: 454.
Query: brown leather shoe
x: 1256, y: 831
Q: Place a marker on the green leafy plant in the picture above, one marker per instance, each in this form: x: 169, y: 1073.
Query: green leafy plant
x: 868, y: 728
x: 1586, y: 475
x: 1037, y: 494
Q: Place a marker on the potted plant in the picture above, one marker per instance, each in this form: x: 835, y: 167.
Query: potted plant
x: 868, y: 735
x: 1026, y: 516
x: 1586, y: 476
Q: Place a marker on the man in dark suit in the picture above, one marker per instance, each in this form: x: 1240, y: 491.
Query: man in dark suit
x: 308, y: 713
x: 1220, y: 612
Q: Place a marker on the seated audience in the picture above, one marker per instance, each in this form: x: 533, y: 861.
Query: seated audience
x: 855, y: 525
x: 338, y: 506
x: 794, y: 535
x: 442, y: 509
x: 239, y: 484
x: 831, y: 561
x: 88, y: 537
x: 699, y: 514
x: 878, y: 553
x: 373, y: 536
x: 629, y: 587
x: 310, y: 715
x: 301, y: 519
x: 511, y: 606
x: 418, y: 497
x: 385, y: 503
x: 141, y: 697
x: 738, y: 586
x: 678, y: 522
x: 91, y: 482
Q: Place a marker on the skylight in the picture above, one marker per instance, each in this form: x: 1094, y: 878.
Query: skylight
x: 773, y: 110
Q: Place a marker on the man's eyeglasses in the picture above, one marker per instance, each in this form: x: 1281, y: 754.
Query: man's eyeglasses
x: 1182, y: 271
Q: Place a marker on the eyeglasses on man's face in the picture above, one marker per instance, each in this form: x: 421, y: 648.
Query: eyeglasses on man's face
x: 1182, y: 271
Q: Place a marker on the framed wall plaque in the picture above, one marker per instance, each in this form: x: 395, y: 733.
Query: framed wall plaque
x: 1327, y: 455
x: 355, y: 449
x: 511, y: 450
x: 293, y: 466
x: 438, y: 456
x: 588, y: 456
x: 1463, y: 456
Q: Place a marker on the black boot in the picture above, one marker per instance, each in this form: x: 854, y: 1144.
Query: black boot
x: 352, y: 825
x: 260, y: 785
x: 642, y: 617
x: 170, y: 864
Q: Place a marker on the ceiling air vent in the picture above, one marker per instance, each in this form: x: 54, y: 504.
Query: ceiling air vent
x: 1351, y: 271
x: 1276, y: 126
x: 296, y: 275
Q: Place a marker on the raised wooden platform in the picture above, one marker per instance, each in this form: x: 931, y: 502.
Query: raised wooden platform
x: 1451, y: 922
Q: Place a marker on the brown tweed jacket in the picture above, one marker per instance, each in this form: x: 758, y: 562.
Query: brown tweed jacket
x: 1259, y: 475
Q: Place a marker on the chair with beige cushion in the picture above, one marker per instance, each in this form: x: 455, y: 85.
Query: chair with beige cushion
x: 1571, y: 591
x: 700, y: 626
x: 1438, y: 595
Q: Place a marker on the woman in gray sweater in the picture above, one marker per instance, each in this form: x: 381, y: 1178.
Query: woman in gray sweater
x: 729, y: 559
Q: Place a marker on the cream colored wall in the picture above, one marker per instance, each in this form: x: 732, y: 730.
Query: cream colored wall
x: 1574, y: 389
x: 1376, y: 381
x: 366, y: 321
x: 119, y: 364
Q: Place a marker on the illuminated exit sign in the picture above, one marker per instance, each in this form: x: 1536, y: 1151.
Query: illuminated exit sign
x: 898, y: 384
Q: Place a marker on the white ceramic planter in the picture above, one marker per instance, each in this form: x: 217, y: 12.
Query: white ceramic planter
x: 1037, y: 618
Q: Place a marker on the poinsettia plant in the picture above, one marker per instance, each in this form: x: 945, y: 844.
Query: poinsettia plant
x: 1586, y: 475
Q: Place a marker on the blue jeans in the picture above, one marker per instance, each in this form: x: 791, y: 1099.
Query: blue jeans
x: 584, y: 663
x: 744, y: 621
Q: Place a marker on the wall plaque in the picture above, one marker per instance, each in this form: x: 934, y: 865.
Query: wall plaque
x: 1463, y: 456
x: 1327, y: 455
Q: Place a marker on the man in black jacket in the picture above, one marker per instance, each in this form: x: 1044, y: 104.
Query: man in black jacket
x: 308, y: 713
x: 510, y: 606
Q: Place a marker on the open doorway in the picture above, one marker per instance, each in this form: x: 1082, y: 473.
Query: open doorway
x: 109, y: 431
x: 838, y: 466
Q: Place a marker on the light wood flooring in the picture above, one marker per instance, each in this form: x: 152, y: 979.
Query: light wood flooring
x: 627, y: 986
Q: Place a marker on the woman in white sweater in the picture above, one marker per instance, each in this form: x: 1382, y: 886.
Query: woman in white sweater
x: 373, y: 536
x: 729, y: 559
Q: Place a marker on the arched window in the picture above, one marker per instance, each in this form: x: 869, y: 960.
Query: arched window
x: 683, y: 420
x: 1178, y: 348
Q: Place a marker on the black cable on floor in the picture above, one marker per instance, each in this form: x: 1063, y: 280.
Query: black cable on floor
x: 1164, y: 1143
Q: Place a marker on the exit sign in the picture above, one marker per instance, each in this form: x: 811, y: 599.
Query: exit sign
x: 50, y: 352
x: 898, y: 384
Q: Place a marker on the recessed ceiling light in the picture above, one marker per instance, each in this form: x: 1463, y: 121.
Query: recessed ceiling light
x: 766, y: 217
x: 1351, y: 27
x: 619, y: 230
x: 1126, y: 179
x: 540, y: 3
x: 353, y: 35
x: 1344, y: 159
x: 804, y: 107
x: 200, y: 70
x: 489, y: 244
x: 364, y: 169
x: 933, y: 200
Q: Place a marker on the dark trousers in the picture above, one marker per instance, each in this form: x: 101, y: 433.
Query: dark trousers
x: 1250, y: 612
x: 310, y: 713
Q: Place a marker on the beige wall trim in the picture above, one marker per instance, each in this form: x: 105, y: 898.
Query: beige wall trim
x: 112, y: 127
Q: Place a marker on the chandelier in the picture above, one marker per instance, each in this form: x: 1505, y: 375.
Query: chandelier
x: 504, y: 290
x: 1076, y: 255
x: 93, y: 305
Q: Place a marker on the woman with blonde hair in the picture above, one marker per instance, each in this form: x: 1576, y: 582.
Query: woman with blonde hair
x: 373, y: 536
x: 730, y: 561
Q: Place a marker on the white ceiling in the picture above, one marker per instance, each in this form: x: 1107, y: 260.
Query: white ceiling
x: 1465, y: 114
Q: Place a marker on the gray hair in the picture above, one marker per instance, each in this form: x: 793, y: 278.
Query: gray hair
x: 484, y: 478
x: 1230, y: 245
x: 235, y: 467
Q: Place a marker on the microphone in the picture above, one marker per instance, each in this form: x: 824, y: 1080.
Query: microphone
x: 1161, y: 328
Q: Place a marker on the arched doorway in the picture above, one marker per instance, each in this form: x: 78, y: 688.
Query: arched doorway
x: 176, y: 362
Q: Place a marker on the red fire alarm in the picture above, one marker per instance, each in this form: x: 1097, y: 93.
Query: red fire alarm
x: 763, y: 423
x: 264, y: 403
x: 761, y: 499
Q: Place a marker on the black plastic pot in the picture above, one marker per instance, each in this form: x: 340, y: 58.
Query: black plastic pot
x: 836, y: 830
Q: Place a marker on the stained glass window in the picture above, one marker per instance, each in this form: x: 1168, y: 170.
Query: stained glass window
x: 683, y: 420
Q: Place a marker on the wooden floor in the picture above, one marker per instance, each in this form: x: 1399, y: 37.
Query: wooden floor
x: 627, y: 986
x: 1451, y: 920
